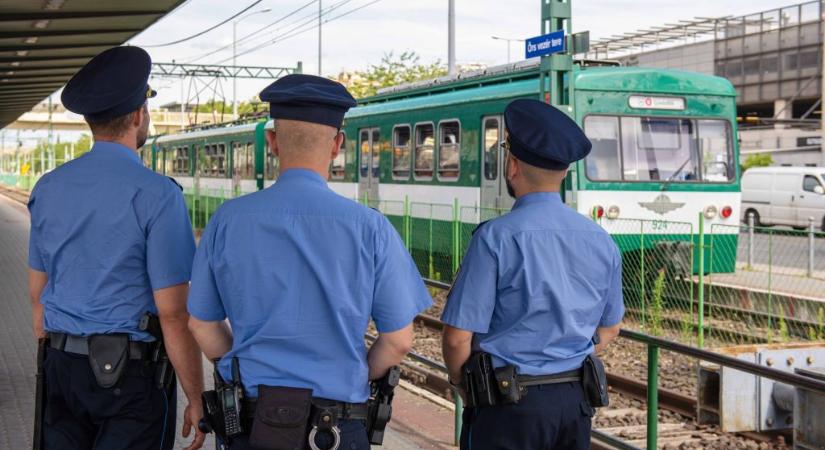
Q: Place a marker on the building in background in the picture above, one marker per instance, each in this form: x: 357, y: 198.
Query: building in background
x: 773, y: 58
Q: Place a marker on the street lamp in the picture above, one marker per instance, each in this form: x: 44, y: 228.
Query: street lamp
x: 234, y: 78
x: 508, y: 44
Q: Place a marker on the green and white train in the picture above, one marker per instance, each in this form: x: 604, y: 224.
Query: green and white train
x: 664, y: 153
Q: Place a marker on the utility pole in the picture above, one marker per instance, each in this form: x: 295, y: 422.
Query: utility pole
x: 319, y: 38
x: 50, y: 157
x: 822, y: 88
x: 451, y: 37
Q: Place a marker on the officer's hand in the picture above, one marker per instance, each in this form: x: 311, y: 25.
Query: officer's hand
x: 191, y: 417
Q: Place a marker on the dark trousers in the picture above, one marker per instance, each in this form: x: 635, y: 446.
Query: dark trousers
x: 353, y: 437
x: 81, y: 415
x: 549, y: 417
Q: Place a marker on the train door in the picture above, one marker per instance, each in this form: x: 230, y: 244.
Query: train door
x: 369, y: 163
x: 238, y: 166
x: 493, y: 158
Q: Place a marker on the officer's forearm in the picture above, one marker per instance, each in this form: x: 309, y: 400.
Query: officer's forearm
x: 456, y: 348
x: 181, y: 347
x: 214, y: 338
x: 37, y: 282
x: 606, y: 335
x: 389, y: 350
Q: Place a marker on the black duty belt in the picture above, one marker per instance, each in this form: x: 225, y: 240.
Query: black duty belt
x: 342, y: 410
x: 80, y: 345
x: 556, y: 378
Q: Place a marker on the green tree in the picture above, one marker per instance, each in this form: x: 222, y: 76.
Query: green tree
x: 391, y: 71
x: 63, y: 151
x: 757, y: 160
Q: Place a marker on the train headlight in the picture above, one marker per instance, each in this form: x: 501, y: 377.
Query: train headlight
x: 710, y: 212
x: 597, y: 212
x: 613, y: 212
x: 726, y: 212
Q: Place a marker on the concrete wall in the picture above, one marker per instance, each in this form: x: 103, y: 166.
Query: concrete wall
x: 694, y: 57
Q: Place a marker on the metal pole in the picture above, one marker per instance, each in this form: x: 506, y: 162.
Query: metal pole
x: 319, y: 37
x: 182, y: 109
x: 652, y: 396
x: 508, y: 52
x: 750, y: 239
x: 810, y: 246
x: 701, y: 323
x: 822, y: 86
x: 234, y: 79
x: 51, y: 130
x: 451, y: 37
x: 459, y: 410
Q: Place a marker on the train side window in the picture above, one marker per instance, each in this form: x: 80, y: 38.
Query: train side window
x: 242, y: 166
x: 492, y: 140
x: 424, y: 149
x: 364, y: 142
x: 250, y: 161
x: 339, y: 164
x: 375, y: 149
x: 401, y: 152
x: 603, y: 162
x: 449, y: 150
x: 271, y: 166
x: 219, y: 165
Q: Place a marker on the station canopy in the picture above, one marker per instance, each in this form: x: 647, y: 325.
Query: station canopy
x: 44, y: 42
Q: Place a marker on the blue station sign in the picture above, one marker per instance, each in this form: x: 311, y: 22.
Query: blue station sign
x: 544, y: 45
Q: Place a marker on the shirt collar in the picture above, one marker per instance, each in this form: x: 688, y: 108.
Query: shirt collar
x: 113, y: 148
x: 537, y: 197
x: 302, y: 174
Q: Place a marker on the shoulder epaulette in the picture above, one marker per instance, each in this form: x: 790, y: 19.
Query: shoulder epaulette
x: 176, y: 183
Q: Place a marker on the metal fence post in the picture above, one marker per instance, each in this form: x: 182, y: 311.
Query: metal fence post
x: 701, y: 319
x: 407, y: 221
x: 652, y: 396
x: 459, y: 409
x: 455, y: 239
x: 430, y: 243
x: 750, y: 239
x: 810, y: 246
x: 642, y: 272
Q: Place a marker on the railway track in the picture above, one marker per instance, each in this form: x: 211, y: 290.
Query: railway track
x: 623, y: 424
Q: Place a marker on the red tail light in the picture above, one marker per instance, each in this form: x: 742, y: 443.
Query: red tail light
x: 597, y: 212
x: 726, y: 212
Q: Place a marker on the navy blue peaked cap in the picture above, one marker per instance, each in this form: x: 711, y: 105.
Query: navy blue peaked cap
x: 112, y: 84
x: 543, y: 136
x: 309, y: 99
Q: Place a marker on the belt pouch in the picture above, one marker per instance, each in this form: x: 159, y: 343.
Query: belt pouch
x: 508, y: 386
x: 594, y: 381
x: 108, y: 357
x: 281, y: 418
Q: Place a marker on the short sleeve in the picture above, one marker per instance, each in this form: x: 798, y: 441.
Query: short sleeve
x: 35, y: 257
x: 472, y: 299
x: 614, y: 300
x: 169, y: 243
x: 399, y: 293
x: 204, y: 298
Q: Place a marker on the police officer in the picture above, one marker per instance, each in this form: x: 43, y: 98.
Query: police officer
x: 534, y: 287
x: 299, y: 271
x: 110, y: 241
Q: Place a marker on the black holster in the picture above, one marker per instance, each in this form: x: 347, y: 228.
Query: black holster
x: 164, y: 372
x: 108, y: 357
x: 594, y: 381
x: 380, y: 404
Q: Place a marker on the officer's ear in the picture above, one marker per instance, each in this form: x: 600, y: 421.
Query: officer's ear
x: 339, y: 143
x: 272, y: 140
x: 139, y: 115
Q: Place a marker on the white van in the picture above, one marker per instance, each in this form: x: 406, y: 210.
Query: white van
x: 784, y: 196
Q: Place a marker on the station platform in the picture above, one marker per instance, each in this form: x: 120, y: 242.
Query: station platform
x: 417, y: 422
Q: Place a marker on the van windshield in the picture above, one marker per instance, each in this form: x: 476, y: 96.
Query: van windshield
x: 677, y: 150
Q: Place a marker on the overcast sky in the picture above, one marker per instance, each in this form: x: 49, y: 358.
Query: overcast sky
x: 359, y: 39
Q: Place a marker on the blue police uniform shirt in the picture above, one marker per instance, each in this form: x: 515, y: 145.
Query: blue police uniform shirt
x: 299, y: 271
x: 535, y: 284
x: 108, y: 232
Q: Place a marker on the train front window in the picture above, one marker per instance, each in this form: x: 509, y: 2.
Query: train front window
x: 660, y: 149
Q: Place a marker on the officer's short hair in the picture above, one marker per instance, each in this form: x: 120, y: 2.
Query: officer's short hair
x: 113, y: 127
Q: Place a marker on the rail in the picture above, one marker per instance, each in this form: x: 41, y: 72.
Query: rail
x: 654, y: 345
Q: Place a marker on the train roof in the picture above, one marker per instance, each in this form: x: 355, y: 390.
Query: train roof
x: 522, y: 81
x: 209, y: 132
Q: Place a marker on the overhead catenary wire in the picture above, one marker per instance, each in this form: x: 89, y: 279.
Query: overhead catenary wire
x: 295, y: 31
x: 201, y: 33
x: 251, y: 34
x: 304, y: 20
